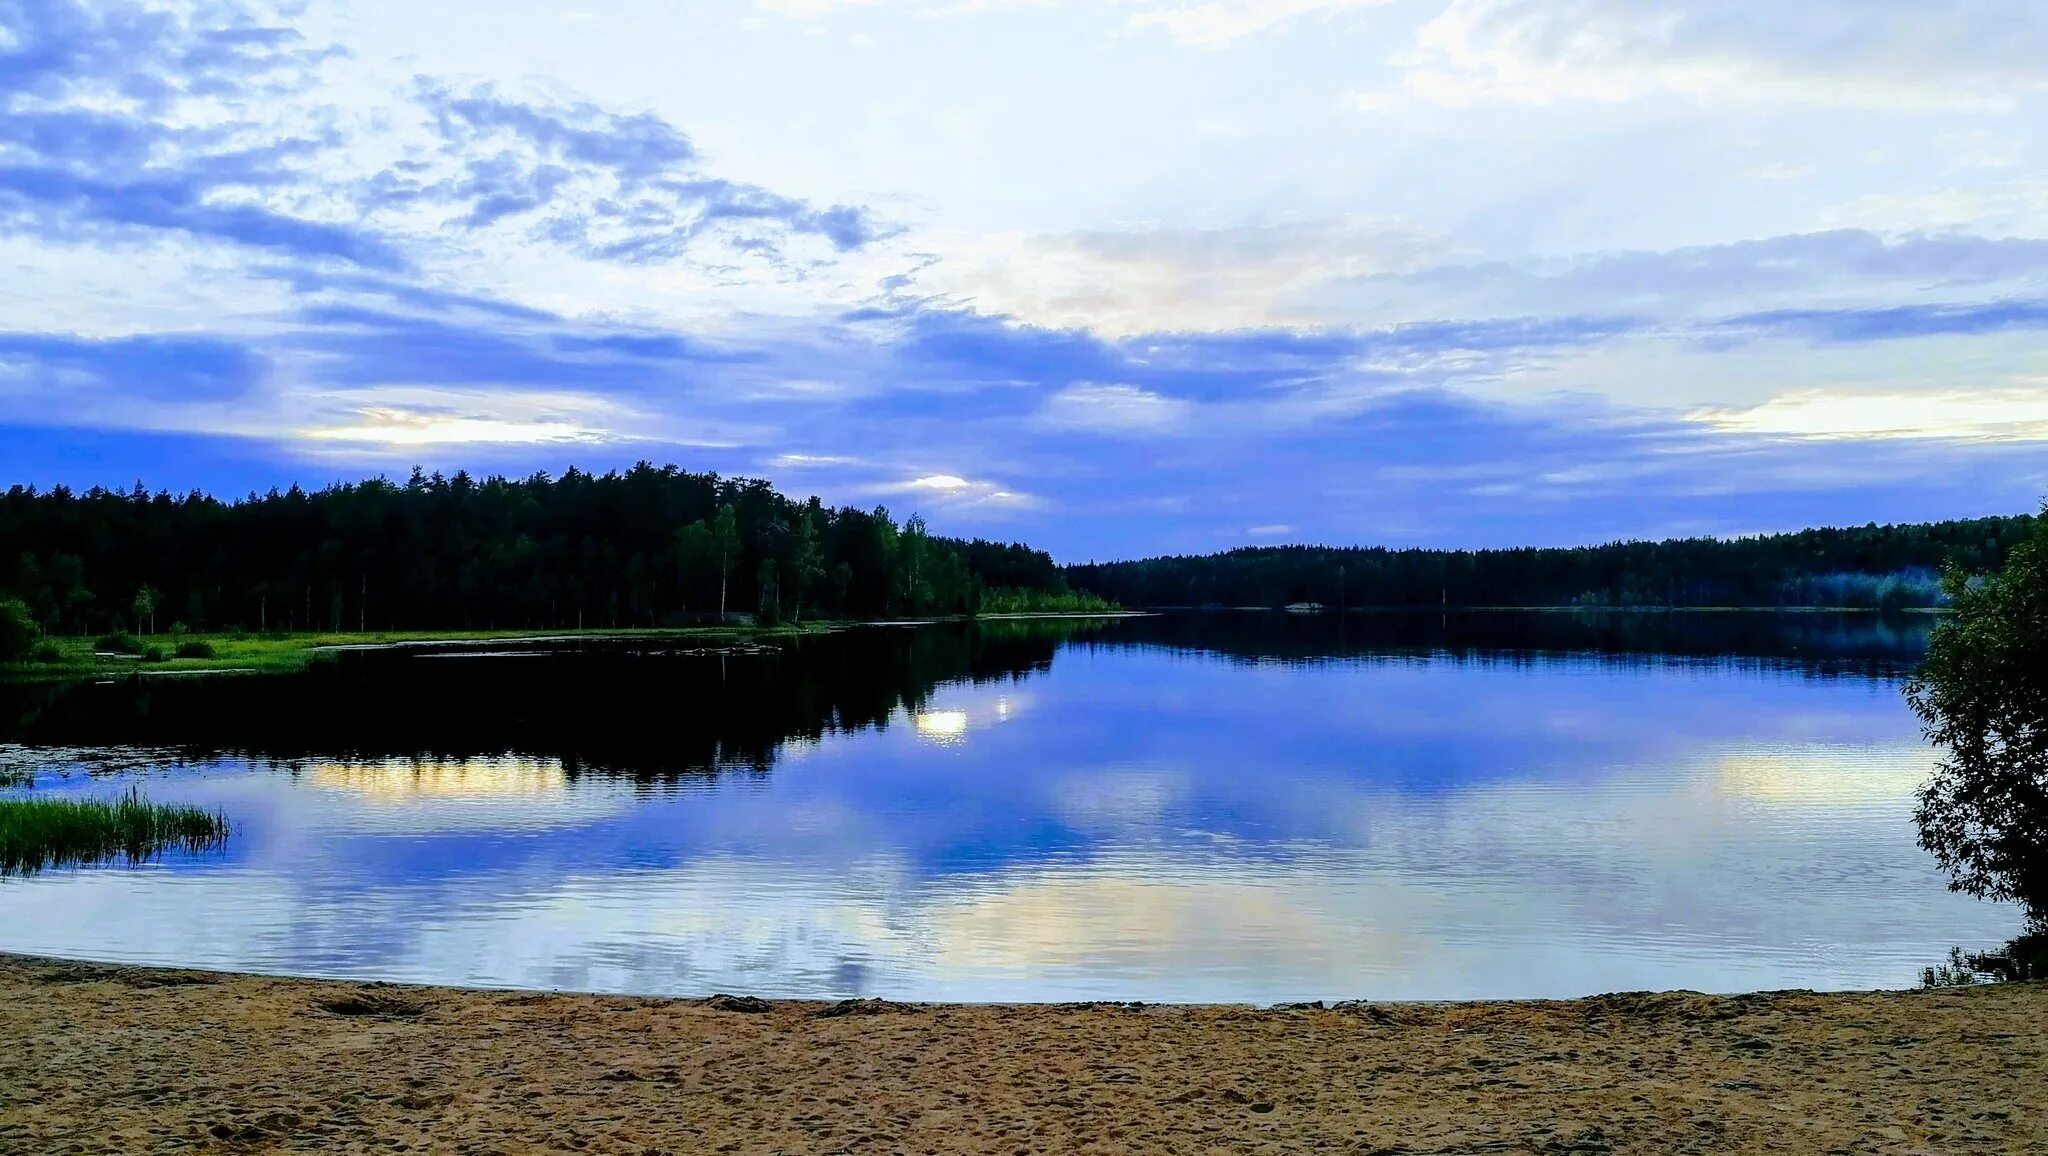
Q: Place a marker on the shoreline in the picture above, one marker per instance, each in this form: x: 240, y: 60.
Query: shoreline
x: 285, y: 652
x: 125, y: 1058
x: 201, y: 972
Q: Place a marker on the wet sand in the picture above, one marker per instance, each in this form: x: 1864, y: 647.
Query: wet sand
x: 111, y: 1059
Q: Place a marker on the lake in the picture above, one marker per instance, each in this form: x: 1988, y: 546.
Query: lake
x: 1204, y: 807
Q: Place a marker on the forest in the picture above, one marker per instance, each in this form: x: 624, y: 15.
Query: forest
x: 650, y: 546
x: 1866, y: 567
x: 661, y: 546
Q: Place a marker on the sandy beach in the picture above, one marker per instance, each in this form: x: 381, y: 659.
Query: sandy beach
x: 119, y: 1059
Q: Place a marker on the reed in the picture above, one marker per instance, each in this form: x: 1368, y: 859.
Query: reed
x: 36, y: 833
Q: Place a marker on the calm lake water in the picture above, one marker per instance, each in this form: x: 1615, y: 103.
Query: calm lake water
x: 1235, y: 807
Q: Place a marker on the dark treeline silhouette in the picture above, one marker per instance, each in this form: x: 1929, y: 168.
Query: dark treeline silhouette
x: 650, y: 546
x: 601, y: 706
x: 1866, y: 567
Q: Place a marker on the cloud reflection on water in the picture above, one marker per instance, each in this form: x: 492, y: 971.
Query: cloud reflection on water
x: 1157, y: 825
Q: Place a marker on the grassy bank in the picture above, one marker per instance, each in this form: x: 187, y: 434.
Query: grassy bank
x: 282, y: 653
x: 36, y: 833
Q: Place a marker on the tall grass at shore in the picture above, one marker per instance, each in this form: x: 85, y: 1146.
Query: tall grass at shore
x: 39, y: 832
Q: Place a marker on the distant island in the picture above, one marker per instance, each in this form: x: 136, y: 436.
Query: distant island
x: 664, y: 547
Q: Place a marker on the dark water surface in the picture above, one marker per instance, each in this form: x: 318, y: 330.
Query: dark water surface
x: 1223, y: 807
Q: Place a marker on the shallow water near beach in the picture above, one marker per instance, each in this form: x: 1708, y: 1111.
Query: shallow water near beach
x: 1228, y: 807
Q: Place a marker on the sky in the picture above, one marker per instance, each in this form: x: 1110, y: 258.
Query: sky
x: 1115, y: 277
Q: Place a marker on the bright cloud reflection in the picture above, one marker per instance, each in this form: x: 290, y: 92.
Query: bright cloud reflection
x: 404, y: 780
x: 480, y: 793
x: 1826, y: 776
x: 942, y: 726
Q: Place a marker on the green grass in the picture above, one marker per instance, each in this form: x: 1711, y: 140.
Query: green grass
x: 76, y: 657
x: 1006, y: 601
x: 38, y: 832
x: 70, y: 657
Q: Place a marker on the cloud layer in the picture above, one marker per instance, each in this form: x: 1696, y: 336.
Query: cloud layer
x: 1551, y: 279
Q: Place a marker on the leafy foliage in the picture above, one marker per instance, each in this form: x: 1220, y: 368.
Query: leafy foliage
x: 1983, y: 697
x: 18, y: 630
x: 1010, y: 600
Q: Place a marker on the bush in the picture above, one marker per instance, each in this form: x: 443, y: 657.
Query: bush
x: 153, y: 654
x: 195, y: 648
x: 180, y: 629
x: 18, y: 630
x: 119, y: 642
x: 45, y: 650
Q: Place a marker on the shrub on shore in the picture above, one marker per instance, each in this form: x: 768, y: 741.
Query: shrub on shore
x: 195, y: 648
x: 119, y: 642
x: 18, y: 630
x: 1008, y: 601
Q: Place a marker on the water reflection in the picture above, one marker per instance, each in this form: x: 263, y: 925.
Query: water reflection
x: 1125, y: 813
x: 944, y: 726
x: 1813, y: 643
x: 633, y: 708
x: 400, y: 781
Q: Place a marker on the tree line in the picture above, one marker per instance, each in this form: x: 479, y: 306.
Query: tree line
x: 1879, y: 567
x: 649, y: 546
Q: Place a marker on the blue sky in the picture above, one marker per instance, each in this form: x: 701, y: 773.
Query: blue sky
x: 1115, y: 277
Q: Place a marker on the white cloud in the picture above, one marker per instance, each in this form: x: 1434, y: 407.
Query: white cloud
x: 2016, y: 414
x: 397, y: 427
x: 1115, y: 410
x: 398, y: 416
x: 2008, y: 209
x: 1362, y: 100
x: 1150, y: 280
x: 1276, y: 530
x: 1220, y: 23
x: 1833, y: 269
x: 951, y: 491
x: 1309, y: 277
x: 1978, y: 55
x: 809, y: 461
x: 1197, y: 23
